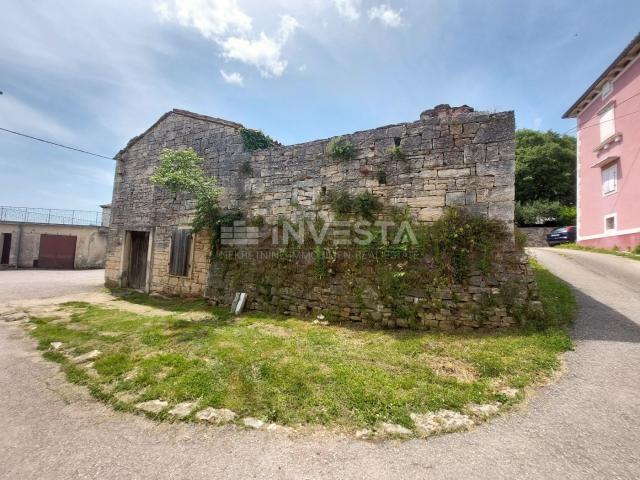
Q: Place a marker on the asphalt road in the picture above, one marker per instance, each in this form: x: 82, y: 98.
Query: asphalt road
x: 18, y: 286
x: 587, y: 425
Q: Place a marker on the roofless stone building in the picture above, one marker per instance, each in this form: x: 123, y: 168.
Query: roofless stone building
x: 450, y: 157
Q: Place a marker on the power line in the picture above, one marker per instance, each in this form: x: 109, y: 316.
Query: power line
x: 617, y: 105
x: 605, y: 121
x: 56, y: 144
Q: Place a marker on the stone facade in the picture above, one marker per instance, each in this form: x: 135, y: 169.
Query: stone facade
x: 452, y: 157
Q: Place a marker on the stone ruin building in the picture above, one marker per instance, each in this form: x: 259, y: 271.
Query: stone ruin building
x: 451, y: 157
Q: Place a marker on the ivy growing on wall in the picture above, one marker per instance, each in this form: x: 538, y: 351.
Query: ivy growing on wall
x: 255, y: 139
x: 181, y: 171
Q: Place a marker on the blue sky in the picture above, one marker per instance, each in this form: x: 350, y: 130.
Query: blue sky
x: 94, y: 73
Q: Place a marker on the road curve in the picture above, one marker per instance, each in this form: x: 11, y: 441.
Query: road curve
x: 587, y: 425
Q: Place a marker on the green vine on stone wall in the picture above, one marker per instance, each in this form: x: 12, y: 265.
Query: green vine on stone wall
x: 181, y: 171
x: 364, y: 205
x: 255, y: 139
x: 450, y: 251
x: 341, y: 148
x: 397, y: 153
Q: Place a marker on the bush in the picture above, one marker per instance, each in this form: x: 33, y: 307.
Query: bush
x: 397, y: 153
x: 365, y: 205
x: 636, y: 250
x: 544, y: 212
x: 342, y: 148
x: 255, y: 139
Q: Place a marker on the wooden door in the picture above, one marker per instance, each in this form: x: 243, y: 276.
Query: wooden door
x: 57, y: 251
x: 137, y: 276
x: 6, y: 249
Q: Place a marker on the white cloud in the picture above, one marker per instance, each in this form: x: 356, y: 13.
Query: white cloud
x: 226, y: 24
x: 264, y: 53
x: 212, y: 18
x: 386, y: 15
x: 234, y: 78
x: 348, y: 9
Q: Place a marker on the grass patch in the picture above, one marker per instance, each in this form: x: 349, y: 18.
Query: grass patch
x: 634, y: 255
x: 558, y: 301
x: 294, y: 372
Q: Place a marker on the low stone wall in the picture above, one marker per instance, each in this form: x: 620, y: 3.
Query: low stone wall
x: 354, y: 291
x: 536, y: 236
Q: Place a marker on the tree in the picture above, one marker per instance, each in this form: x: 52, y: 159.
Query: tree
x: 545, y: 167
x: 181, y: 171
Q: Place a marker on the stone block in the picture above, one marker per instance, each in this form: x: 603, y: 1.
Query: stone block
x: 455, y: 198
x: 453, y: 172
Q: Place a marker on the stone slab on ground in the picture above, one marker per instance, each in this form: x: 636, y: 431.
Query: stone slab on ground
x: 483, y: 412
x: 87, y: 357
x: 152, y: 406
x: 14, y: 316
x: 252, y: 422
x: 442, y: 421
x: 394, y: 430
x: 183, y: 409
x: 216, y: 415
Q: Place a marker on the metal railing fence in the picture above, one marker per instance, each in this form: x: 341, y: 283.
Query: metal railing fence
x: 50, y: 215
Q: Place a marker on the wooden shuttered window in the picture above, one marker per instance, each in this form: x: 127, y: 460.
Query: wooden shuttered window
x: 180, y: 252
x: 607, y: 123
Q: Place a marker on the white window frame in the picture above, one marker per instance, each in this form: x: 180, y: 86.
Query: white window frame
x: 607, y: 125
x: 607, y: 89
x: 609, y: 168
x: 615, y: 222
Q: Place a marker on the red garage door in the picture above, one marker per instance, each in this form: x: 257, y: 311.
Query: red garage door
x: 57, y: 251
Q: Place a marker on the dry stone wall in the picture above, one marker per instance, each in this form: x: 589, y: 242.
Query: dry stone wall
x: 453, y: 157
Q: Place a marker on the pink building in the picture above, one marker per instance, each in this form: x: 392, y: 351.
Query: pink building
x: 608, y: 116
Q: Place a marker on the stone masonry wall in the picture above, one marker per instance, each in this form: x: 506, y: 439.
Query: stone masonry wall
x: 454, y: 157
x: 139, y: 205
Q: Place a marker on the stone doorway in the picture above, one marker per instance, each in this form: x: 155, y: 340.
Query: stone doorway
x: 138, y: 260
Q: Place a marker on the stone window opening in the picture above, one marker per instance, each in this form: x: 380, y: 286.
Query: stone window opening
x: 396, y: 141
x: 180, y: 256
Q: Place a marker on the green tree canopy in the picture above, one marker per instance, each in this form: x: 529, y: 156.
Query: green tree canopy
x: 545, y: 167
x: 181, y: 171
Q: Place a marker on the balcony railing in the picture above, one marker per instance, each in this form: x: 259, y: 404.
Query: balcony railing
x: 50, y: 215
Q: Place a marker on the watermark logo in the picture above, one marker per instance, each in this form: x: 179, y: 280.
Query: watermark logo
x: 239, y: 234
x: 336, y: 233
